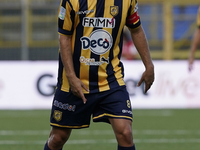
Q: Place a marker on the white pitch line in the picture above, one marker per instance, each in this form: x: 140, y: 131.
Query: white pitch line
x: 109, y: 141
x: 24, y: 132
x: 167, y: 140
x: 101, y: 132
x: 166, y: 132
x: 163, y: 113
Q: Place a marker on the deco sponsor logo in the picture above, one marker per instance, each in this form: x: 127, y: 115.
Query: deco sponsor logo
x: 98, y: 22
x: 99, y: 42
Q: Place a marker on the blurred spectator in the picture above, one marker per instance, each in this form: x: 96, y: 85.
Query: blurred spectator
x: 129, y: 51
x: 195, y: 42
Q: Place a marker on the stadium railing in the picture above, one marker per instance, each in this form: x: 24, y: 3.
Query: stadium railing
x: 28, y: 28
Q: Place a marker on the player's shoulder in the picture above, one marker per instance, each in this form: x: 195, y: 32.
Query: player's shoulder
x: 70, y: 3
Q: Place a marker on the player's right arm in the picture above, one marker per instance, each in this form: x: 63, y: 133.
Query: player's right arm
x: 194, y: 45
x: 66, y: 17
x: 76, y: 85
x: 195, y: 42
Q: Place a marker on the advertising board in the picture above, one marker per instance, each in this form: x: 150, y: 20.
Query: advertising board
x: 31, y: 84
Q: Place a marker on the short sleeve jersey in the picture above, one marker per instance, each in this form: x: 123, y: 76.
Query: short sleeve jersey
x: 96, y: 28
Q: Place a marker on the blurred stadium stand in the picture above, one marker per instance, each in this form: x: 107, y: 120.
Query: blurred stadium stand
x: 28, y: 28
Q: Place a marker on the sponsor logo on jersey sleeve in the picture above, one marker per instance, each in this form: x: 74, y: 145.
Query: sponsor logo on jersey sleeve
x: 136, y: 7
x: 62, y: 13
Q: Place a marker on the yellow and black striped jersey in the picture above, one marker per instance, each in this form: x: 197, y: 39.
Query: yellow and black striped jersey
x: 198, y: 18
x: 96, y: 27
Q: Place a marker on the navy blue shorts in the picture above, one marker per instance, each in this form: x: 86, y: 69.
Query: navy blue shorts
x: 68, y: 111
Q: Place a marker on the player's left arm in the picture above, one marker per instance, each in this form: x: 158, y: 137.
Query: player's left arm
x: 141, y: 44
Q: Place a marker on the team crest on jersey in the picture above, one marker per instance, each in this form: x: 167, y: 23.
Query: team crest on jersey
x: 57, y: 115
x: 114, y: 10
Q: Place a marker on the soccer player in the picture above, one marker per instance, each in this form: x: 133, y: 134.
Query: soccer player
x: 90, y: 74
x: 195, y: 42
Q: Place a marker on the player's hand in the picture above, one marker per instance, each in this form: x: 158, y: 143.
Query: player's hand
x: 190, y: 64
x: 77, y: 87
x: 147, y: 78
x: 190, y: 67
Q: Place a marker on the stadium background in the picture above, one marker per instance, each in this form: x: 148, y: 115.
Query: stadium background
x: 29, y: 49
x: 28, y: 28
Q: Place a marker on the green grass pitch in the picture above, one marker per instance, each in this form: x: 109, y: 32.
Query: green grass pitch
x: 161, y: 129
